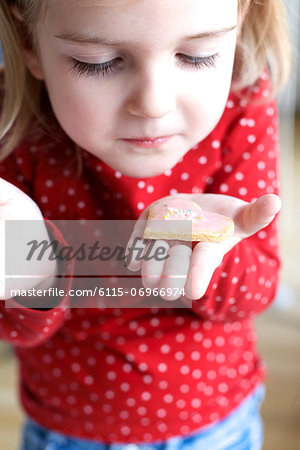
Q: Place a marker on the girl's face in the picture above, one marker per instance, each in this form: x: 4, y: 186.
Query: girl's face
x: 138, y: 83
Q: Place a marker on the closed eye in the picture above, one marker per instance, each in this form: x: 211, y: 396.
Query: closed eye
x: 116, y: 64
x: 198, y: 62
x: 92, y: 69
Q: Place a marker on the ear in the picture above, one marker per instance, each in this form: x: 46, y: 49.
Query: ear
x: 30, y: 54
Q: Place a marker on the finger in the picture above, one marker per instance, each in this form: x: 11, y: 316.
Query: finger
x: 136, y: 244
x: 206, y: 257
x: 257, y: 215
x: 155, y: 256
x: 135, y: 251
x: 176, y: 268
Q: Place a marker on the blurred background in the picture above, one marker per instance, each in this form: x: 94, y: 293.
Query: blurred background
x: 278, y: 328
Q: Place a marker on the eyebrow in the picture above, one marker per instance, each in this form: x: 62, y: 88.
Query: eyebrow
x: 78, y: 38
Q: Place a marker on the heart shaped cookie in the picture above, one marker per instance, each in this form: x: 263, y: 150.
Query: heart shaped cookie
x: 185, y: 220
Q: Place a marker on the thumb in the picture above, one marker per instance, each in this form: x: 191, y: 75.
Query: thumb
x: 257, y: 215
x: 9, y: 192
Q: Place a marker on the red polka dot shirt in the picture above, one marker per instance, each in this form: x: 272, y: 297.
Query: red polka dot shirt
x: 142, y: 375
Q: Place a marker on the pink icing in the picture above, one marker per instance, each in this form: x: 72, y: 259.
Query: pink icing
x: 180, y: 209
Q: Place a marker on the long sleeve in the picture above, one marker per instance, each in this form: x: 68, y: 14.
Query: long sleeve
x: 245, y: 283
x: 28, y: 327
x: 21, y: 326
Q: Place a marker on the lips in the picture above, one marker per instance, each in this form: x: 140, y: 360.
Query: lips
x: 148, y: 142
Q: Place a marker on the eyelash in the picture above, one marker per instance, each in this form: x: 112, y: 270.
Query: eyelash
x: 113, y: 66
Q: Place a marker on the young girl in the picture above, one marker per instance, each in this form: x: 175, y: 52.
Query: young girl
x: 106, y: 108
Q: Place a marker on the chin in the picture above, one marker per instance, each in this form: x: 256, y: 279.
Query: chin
x: 147, y: 169
x: 146, y: 172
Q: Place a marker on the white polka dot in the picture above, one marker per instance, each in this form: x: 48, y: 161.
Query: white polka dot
x: 88, y: 409
x: 179, y: 356
x: 261, y: 184
x: 162, y: 367
x: 75, y: 367
x: 261, y: 165
x: 150, y: 189
x: 118, y: 174
x: 184, y: 176
x: 140, y: 206
x: 195, y: 356
x: 141, y: 184
x: 161, y: 413
x: 262, y: 234
x: 207, y: 343
x: 209, y: 180
x: 110, y: 394
x: 246, y: 156
x: 89, y: 380
x: 180, y: 337
x: 202, y: 160
x: 251, y: 123
x: 272, y: 154
x: 196, y: 374
x: 224, y: 187
x: 216, y: 144
x: 125, y: 430
x: 223, y: 387
x: 184, y: 388
x: 125, y: 387
x: 239, y: 176
x: 184, y: 370
x: 146, y: 396
x: 56, y: 372
x: 198, y: 337
x: 163, y: 384
x: 228, y: 168
x: 243, y: 191
x: 165, y: 349
x: 211, y: 375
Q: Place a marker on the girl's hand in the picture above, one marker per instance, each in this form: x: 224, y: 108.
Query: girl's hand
x: 198, y: 265
x: 16, y: 205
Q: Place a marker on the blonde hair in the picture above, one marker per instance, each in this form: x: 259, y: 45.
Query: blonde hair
x: 263, y: 41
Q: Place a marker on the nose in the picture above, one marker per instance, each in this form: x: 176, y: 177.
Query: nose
x: 153, y: 94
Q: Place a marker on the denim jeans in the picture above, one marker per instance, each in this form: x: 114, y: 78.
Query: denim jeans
x: 241, y: 430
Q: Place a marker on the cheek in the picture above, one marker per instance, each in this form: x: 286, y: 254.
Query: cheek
x: 208, y: 95
x: 77, y: 107
x: 206, y: 107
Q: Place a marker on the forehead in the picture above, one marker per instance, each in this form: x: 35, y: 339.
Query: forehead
x: 170, y: 13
